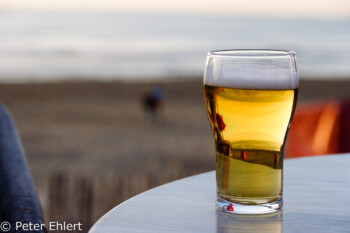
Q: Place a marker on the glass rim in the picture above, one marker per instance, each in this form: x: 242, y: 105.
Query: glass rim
x: 249, y: 53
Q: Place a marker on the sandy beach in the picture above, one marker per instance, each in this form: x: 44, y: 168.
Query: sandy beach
x: 93, y: 128
x: 100, y: 129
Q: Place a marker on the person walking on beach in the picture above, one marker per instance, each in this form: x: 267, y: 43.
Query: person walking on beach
x: 153, y: 101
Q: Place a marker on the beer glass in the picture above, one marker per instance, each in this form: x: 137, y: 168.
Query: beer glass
x: 250, y: 97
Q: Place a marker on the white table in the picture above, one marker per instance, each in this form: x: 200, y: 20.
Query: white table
x: 316, y: 199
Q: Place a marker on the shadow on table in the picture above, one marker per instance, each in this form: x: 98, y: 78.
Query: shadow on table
x: 228, y: 223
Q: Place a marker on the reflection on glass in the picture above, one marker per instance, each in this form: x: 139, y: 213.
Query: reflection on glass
x: 267, y: 223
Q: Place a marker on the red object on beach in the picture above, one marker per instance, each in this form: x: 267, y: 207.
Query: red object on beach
x: 318, y: 129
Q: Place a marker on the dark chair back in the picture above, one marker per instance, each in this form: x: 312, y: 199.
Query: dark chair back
x: 18, y: 198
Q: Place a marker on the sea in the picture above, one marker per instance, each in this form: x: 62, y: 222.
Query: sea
x: 48, y: 45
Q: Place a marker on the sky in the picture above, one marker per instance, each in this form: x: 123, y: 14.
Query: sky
x: 305, y: 8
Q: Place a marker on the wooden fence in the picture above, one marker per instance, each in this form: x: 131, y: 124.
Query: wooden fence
x: 77, y: 198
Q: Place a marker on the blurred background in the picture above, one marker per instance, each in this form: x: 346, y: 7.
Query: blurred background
x: 108, y: 97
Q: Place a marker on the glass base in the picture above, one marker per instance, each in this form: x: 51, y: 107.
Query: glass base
x: 235, y: 208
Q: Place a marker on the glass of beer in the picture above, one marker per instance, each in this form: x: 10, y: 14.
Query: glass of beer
x: 250, y: 97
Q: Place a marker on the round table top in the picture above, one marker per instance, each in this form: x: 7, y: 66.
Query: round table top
x: 316, y: 199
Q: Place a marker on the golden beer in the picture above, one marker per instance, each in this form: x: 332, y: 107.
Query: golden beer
x: 249, y: 127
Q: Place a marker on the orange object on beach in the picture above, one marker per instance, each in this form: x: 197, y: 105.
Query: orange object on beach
x: 317, y: 129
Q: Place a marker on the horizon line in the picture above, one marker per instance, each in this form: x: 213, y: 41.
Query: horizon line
x: 177, y: 11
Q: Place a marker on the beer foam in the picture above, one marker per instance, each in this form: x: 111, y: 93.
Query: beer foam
x: 256, y: 75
